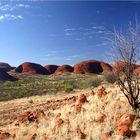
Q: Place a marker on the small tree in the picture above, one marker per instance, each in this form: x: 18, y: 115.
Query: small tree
x: 126, y: 49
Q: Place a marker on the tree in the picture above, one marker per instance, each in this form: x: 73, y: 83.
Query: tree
x: 126, y: 49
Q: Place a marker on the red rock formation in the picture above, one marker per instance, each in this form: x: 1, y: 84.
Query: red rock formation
x: 58, y: 122
x: 101, y: 92
x: 4, y: 135
x: 51, y: 68
x: 80, y: 133
x: 82, y: 99
x: 91, y: 93
x: 137, y: 70
x: 124, y: 124
x: 106, y: 135
x: 106, y: 67
x: 5, y: 76
x: 45, y: 138
x: 91, y: 66
x: 31, y: 136
x: 31, y: 68
x: 65, y: 68
x: 71, y: 100
x: 29, y: 116
x: 5, y: 66
x: 121, y: 66
x: 100, y: 118
x: 78, y: 107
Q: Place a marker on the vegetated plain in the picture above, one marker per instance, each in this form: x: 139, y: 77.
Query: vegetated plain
x: 30, y: 85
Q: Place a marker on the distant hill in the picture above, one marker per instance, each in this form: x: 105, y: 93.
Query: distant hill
x: 31, y: 68
x: 5, y: 66
x: 4, y: 76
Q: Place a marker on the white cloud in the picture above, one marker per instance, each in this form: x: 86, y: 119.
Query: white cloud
x: 10, y: 17
x: 8, y: 7
x: 69, y: 29
x: 22, y: 5
x: 103, y: 44
x: 48, y: 55
x: 72, y: 57
x: 98, y: 27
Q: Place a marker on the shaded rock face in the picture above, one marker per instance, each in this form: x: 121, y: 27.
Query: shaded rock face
x: 5, y: 76
x: 91, y: 66
x: 65, y: 68
x: 5, y: 66
x: 106, y: 67
x: 31, y: 68
x: 51, y: 68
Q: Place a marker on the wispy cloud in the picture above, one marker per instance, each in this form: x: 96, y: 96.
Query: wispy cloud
x: 7, y: 11
x: 22, y: 5
x: 83, y: 33
x: 69, y: 29
x: 10, y: 7
x: 10, y: 17
x: 72, y: 57
x: 105, y: 43
x: 51, y: 54
x: 6, y: 7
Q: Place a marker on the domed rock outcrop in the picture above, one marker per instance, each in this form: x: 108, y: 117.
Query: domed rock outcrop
x: 5, y: 76
x: 51, y: 68
x: 5, y: 66
x: 121, y: 66
x: 31, y: 68
x: 91, y: 66
x: 65, y: 68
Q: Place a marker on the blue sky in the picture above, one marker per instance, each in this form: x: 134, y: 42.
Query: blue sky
x: 60, y: 32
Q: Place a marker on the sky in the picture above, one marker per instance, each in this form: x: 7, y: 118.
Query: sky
x: 60, y: 32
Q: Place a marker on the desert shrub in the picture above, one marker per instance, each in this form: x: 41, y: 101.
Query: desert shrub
x: 110, y: 77
x: 66, y: 85
x: 31, y: 101
x: 91, y: 82
x: 68, y: 88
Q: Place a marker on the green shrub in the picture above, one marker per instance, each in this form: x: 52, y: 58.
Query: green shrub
x: 91, y: 82
x: 110, y: 77
x: 31, y: 101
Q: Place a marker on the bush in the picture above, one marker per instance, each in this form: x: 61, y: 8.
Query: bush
x: 91, y: 82
x: 110, y: 77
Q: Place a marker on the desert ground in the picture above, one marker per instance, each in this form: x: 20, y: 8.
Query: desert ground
x: 95, y: 111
